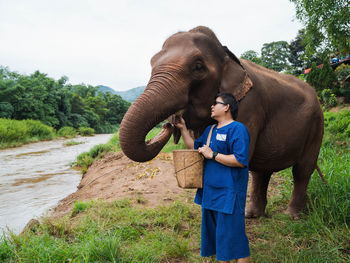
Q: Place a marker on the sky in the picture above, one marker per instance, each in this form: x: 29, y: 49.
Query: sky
x: 111, y: 42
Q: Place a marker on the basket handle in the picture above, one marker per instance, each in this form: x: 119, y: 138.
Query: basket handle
x: 208, y: 143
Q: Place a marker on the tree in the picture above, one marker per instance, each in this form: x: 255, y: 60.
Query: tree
x: 313, y: 76
x: 327, y: 78
x: 327, y: 24
x: 323, y: 78
x: 56, y: 103
x: 252, y: 56
x: 297, y: 53
x: 6, y: 110
x: 274, y: 55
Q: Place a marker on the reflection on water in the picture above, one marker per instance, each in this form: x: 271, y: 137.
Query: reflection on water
x: 34, y: 177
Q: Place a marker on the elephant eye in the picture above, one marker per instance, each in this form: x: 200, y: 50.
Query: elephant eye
x: 199, y: 66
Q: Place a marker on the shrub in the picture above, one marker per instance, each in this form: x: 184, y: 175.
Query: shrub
x: 328, y: 98
x: 323, y: 78
x: 15, y: 131
x: 342, y: 72
x: 85, y: 131
x: 36, y: 128
x: 107, y: 128
x: 67, y: 132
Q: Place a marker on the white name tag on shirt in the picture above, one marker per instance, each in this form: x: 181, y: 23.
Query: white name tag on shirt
x: 221, y: 137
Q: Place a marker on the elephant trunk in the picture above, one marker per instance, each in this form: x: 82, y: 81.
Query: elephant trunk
x: 162, y: 97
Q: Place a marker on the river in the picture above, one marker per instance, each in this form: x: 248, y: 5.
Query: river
x: 34, y: 177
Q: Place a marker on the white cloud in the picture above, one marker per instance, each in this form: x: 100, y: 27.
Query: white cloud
x: 111, y: 42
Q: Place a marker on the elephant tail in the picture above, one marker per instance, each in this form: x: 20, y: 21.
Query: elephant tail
x: 321, y: 175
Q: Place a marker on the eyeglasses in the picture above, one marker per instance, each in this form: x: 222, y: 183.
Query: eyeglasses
x: 219, y: 102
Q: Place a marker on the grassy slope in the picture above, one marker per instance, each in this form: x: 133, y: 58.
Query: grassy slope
x: 14, y: 133
x: 122, y: 232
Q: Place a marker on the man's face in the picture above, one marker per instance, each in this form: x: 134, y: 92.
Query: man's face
x: 219, y: 108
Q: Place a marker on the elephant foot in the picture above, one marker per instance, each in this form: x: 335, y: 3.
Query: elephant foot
x: 254, y: 211
x: 294, y: 213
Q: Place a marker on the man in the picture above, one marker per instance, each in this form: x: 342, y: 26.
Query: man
x: 224, y: 183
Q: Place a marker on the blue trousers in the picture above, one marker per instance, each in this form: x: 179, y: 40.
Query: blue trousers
x: 224, y: 235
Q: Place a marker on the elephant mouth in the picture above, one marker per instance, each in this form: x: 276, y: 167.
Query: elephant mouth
x: 172, y: 119
x: 175, y: 117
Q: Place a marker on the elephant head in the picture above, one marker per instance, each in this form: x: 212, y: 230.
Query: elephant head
x: 187, y: 73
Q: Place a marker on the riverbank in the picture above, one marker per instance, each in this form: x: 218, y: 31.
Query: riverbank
x: 36, y: 176
x: 15, y: 133
x: 116, y: 177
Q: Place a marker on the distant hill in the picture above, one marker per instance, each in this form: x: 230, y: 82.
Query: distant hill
x: 106, y: 89
x: 129, y: 95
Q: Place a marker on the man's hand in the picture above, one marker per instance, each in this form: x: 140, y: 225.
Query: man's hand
x: 180, y: 123
x: 206, y: 152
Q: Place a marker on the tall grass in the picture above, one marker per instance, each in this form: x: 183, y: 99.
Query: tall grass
x: 14, y: 132
x: 110, y: 232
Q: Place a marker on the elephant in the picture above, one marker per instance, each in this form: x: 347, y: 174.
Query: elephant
x: 281, y: 112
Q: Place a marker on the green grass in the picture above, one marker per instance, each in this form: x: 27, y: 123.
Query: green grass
x: 338, y: 124
x: 111, y: 232
x: 72, y: 143
x: 15, y: 133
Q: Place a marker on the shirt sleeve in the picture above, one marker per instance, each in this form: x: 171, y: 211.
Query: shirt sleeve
x: 239, y: 145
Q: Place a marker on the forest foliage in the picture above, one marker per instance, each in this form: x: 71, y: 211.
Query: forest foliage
x: 58, y: 104
x: 327, y: 25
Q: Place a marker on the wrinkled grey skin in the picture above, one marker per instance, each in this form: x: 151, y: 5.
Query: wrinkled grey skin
x: 281, y: 112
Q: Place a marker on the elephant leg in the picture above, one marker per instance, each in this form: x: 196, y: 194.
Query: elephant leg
x: 258, y: 191
x: 301, y: 177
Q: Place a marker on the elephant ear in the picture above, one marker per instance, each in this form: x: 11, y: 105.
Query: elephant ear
x: 235, y: 79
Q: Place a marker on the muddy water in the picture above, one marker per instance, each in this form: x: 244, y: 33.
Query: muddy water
x: 34, y: 177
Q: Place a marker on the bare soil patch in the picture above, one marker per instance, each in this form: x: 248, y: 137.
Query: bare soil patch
x: 340, y: 108
x: 117, y: 177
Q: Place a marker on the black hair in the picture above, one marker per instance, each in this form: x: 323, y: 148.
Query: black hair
x: 229, y: 99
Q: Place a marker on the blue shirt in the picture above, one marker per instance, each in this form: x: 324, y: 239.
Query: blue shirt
x: 222, y: 184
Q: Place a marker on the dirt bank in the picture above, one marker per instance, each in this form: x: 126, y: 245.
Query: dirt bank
x: 151, y: 183
x: 116, y: 177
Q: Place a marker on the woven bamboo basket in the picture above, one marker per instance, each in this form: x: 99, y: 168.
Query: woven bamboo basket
x: 188, y: 168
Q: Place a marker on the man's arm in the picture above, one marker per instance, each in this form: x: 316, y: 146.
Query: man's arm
x: 186, y: 137
x: 228, y: 160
